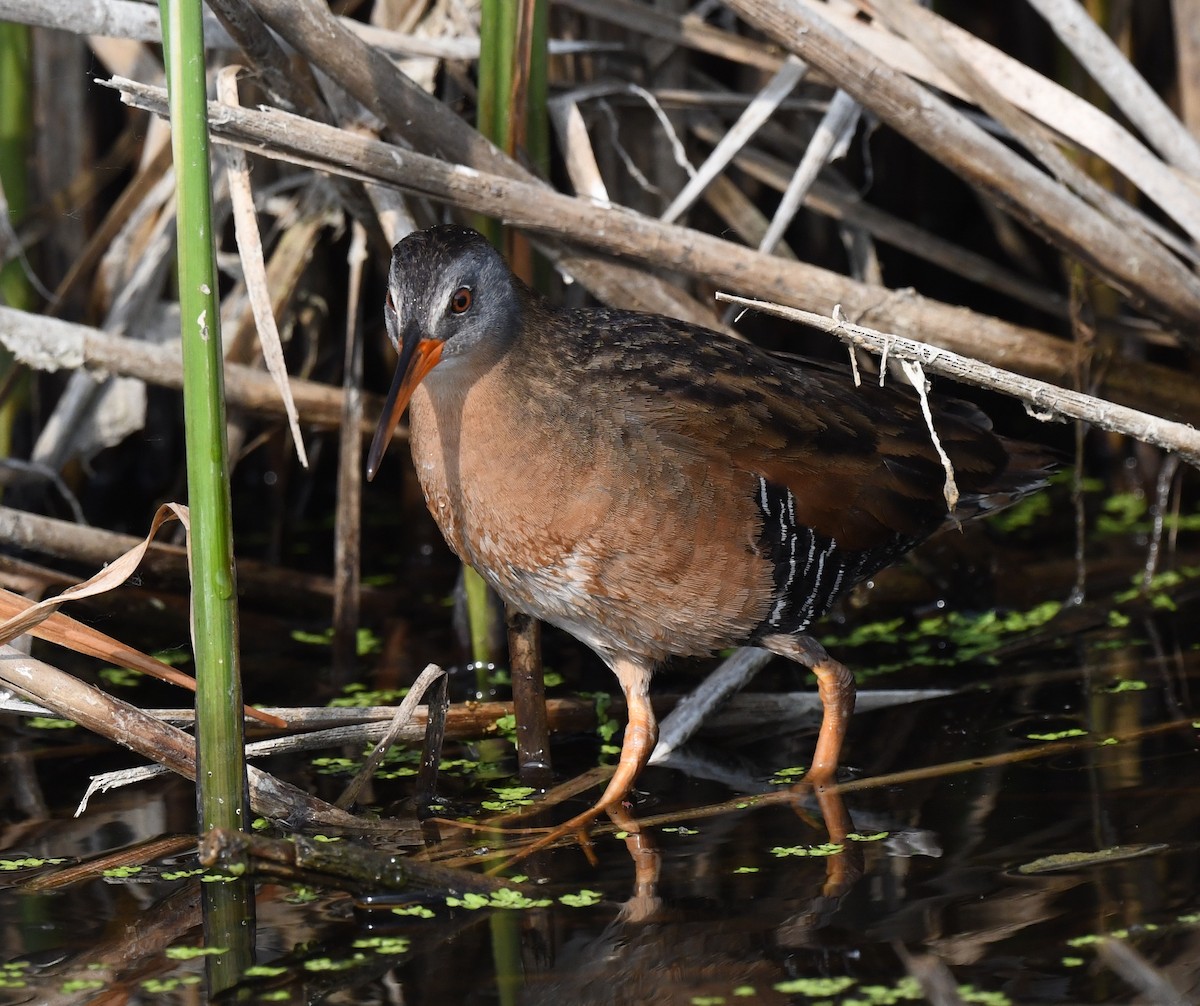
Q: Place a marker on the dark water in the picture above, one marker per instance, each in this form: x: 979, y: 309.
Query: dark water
x: 1076, y: 736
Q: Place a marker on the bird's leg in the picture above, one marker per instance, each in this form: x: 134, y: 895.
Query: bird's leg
x: 835, y: 685
x: 641, y: 734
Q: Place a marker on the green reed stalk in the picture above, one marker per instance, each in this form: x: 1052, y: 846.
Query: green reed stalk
x: 222, y: 801
x: 16, y: 131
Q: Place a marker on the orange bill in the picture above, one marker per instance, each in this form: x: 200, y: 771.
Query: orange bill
x: 417, y: 358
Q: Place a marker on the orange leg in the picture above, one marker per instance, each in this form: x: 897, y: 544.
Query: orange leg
x: 641, y: 734
x: 835, y: 685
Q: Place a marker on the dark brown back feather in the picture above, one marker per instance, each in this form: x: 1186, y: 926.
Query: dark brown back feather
x: 860, y: 461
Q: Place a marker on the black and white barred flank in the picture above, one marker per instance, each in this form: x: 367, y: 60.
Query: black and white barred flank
x: 810, y: 569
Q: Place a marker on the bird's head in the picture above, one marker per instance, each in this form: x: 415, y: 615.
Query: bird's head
x: 450, y: 295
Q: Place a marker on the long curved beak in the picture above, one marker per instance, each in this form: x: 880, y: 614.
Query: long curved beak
x: 418, y: 356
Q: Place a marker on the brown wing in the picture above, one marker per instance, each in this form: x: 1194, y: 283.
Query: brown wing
x: 859, y: 462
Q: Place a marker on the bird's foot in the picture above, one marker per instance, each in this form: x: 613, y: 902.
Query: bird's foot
x: 576, y: 827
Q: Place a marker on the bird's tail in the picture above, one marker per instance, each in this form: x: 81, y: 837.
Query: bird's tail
x: 1028, y: 470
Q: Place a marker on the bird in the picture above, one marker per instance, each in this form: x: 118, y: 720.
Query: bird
x: 657, y: 489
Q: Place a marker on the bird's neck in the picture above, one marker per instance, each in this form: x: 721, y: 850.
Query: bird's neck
x: 490, y: 437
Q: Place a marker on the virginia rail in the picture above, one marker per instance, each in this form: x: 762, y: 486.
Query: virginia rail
x: 655, y: 488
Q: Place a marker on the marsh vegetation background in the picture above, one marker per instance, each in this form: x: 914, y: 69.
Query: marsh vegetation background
x: 953, y: 175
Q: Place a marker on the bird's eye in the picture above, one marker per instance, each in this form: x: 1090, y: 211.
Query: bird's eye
x: 391, y: 304
x: 460, y: 300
